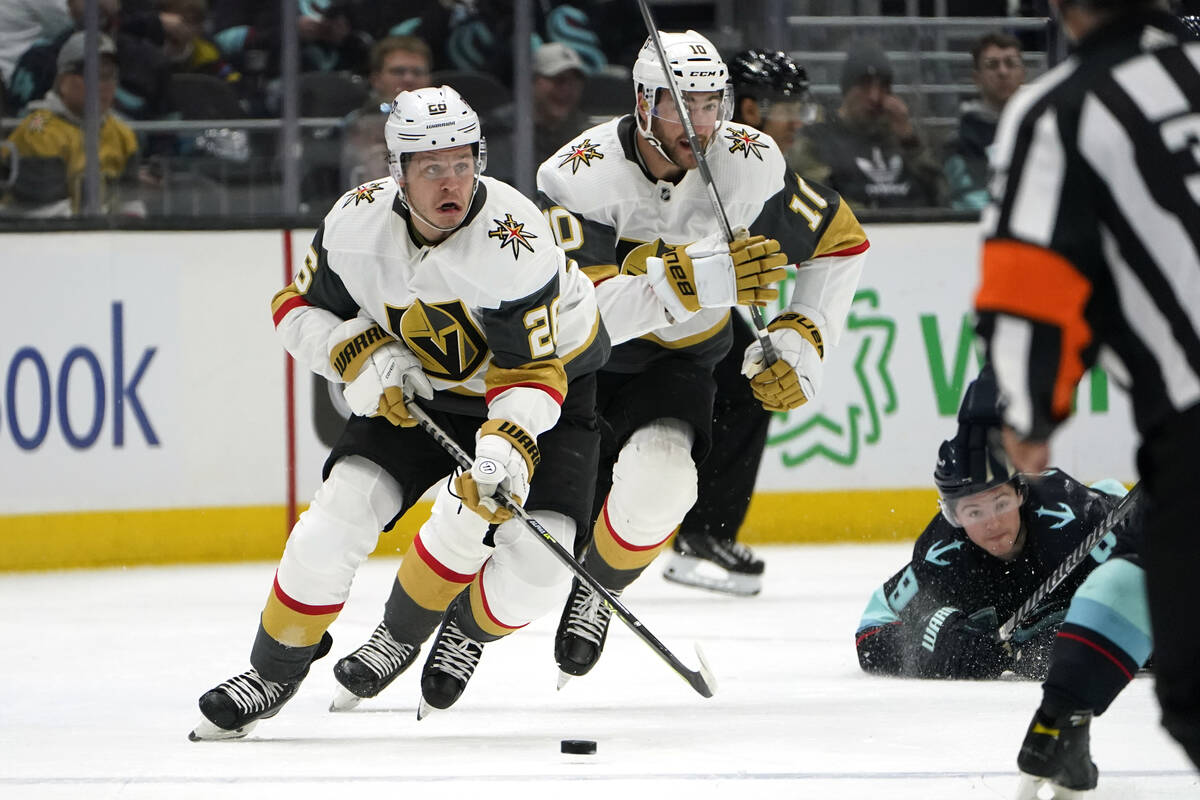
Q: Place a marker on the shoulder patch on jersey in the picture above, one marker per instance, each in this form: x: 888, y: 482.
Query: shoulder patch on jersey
x: 745, y: 142
x: 1063, y: 516
x: 581, y: 154
x: 366, y: 192
x: 511, y: 232
x: 934, y: 554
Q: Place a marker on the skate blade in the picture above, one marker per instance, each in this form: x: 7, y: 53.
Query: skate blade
x: 1032, y: 787
x: 701, y: 574
x: 423, y: 710
x: 344, y: 700
x: 563, y: 679
x: 207, y: 732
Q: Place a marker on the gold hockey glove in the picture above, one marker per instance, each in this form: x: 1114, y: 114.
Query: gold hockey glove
x: 713, y: 273
x: 795, y: 378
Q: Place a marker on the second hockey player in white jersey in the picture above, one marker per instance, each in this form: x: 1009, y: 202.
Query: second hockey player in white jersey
x: 626, y: 196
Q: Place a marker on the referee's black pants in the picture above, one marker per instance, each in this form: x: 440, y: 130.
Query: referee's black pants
x: 1167, y: 464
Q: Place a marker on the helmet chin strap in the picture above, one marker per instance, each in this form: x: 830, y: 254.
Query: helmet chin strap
x: 412, y: 210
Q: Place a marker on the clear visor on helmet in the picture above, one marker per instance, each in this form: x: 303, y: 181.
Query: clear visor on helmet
x: 440, y: 164
x: 704, y: 108
x: 800, y: 109
x: 982, y: 507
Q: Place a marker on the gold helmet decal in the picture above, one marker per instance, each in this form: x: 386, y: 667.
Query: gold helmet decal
x: 745, y: 142
x: 443, y: 337
x: 511, y: 232
x: 581, y: 155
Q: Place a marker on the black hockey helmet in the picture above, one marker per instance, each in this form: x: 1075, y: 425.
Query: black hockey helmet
x: 971, y: 463
x: 762, y: 73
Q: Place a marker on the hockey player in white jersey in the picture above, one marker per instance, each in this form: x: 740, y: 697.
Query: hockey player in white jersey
x: 625, y: 196
x: 444, y: 285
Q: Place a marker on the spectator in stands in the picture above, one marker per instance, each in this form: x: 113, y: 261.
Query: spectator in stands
x: 248, y: 35
x: 139, y: 33
x: 398, y: 64
x: 185, y: 45
x: 870, y: 151
x: 23, y: 23
x: 558, y: 81
x: 49, y: 143
x: 998, y: 72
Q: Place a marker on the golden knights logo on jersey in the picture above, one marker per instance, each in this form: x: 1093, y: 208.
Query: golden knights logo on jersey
x: 745, y: 142
x: 512, y: 233
x: 581, y: 155
x: 443, y: 336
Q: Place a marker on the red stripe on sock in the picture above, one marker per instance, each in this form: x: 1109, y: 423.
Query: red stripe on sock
x: 1099, y: 650
x: 626, y: 545
x: 440, y: 569
x: 303, y: 608
x: 487, y: 609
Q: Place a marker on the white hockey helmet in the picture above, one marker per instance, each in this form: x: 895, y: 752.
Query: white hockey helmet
x: 697, y: 65
x: 433, y: 118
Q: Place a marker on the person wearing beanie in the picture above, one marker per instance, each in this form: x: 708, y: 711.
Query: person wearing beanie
x: 869, y: 151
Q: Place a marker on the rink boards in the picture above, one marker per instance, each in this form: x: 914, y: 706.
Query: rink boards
x: 148, y: 413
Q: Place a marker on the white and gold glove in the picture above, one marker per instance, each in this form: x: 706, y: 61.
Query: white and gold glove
x: 795, y: 378
x: 505, y: 457
x: 381, y: 374
x: 713, y: 273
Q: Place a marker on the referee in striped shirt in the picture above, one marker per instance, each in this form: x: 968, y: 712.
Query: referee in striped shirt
x: 1092, y: 255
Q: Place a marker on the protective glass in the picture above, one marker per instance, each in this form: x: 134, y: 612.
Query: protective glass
x: 982, y: 507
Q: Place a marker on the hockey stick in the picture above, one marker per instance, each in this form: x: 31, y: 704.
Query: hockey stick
x: 756, y: 314
x: 702, y: 681
x: 1114, y: 518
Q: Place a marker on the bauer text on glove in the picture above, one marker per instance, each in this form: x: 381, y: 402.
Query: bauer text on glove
x: 712, y: 273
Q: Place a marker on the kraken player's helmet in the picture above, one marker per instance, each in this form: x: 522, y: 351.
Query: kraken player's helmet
x: 433, y: 118
x: 963, y: 471
x: 772, y: 78
x: 697, y: 66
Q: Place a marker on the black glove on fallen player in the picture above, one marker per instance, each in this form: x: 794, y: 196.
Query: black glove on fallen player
x: 953, y: 645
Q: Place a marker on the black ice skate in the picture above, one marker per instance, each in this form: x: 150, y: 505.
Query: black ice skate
x: 233, y: 708
x: 371, y: 668
x: 1055, y: 751
x: 718, y: 565
x: 581, y: 631
x: 450, y: 664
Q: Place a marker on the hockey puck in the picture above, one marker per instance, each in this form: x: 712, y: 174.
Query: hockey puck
x: 583, y: 747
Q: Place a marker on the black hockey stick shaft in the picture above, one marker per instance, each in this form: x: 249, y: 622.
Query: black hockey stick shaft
x: 701, y: 680
x: 1115, y: 517
x: 756, y: 313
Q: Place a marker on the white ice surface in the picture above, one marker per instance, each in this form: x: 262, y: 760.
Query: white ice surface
x: 100, y: 671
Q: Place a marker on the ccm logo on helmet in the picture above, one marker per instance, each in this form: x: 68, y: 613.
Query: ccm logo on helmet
x: 437, y: 108
x: 711, y: 73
